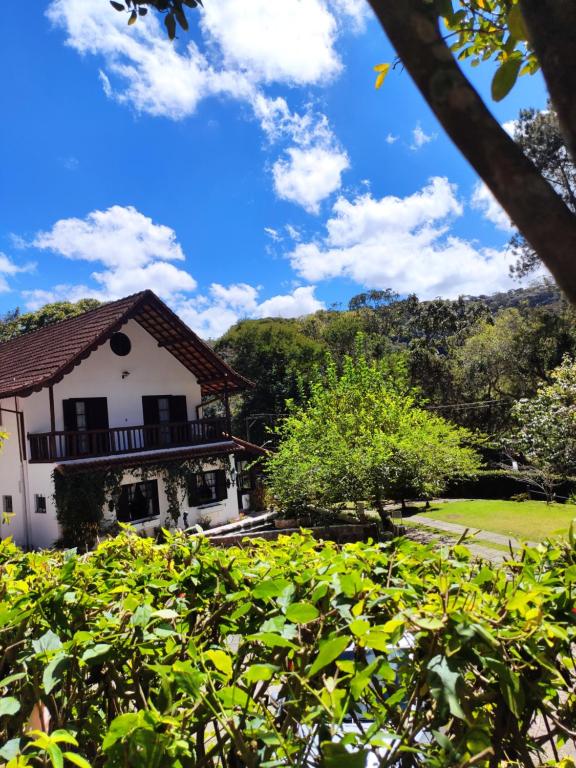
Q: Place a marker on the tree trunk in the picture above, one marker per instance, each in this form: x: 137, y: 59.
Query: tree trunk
x: 385, y: 519
x: 551, y: 27
x: 539, y: 213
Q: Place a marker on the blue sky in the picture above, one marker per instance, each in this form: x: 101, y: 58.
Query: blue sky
x: 249, y: 170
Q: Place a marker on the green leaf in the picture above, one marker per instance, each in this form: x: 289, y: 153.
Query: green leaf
x: 335, y: 755
x: 505, y: 78
x: 271, y: 640
x: 259, y: 672
x: 141, y: 616
x: 359, y: 627
x: 9, y: 706
x: 166, y: 613
x: 48, y: 642
x: 516, y: 23
x: 54, y: 672
x: 170, y: 25
x: 221, y: 661
x: 181, y: 18
x: 445, y: 685
x: 270, y: 588
x: 329, y: 651
x: 232, y: 697
x: 378, y: 641
x: 302, y: 613
x: 78, y: 760
x: 12, y: 749
x: 120, y: 727
x: 96, y: 651
x: 56, y: 756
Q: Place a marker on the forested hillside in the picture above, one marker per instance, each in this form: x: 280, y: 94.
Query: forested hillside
x: 470, y: 358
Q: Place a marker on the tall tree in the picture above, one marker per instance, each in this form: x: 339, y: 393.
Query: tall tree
x: 538, y: 134
x: 276, y: 356
x: 546, y: 433
x: 361, y: 437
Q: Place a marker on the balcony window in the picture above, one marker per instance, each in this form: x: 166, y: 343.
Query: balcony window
x: 7, y: 506
x: 138, y: 502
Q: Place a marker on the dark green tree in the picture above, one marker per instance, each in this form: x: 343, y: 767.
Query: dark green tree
x: 278, y: 358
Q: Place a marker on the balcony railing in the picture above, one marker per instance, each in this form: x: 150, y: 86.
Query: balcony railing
x: 59, y: 446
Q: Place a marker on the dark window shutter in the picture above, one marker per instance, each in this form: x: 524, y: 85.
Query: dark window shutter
x: 69, y: 415
x: 96, y: 413
x: 221, y: 485
x: 150, y: 409
x: 178, y: 412
x: 193, y: 491
x: 123, y: 508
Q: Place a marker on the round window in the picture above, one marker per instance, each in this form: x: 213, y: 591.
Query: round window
x: 120, y: 344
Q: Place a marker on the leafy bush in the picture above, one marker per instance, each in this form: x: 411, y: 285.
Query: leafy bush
x: 182, y: 654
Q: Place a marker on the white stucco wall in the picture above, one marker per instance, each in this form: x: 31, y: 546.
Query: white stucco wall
x: 152, y: 371
x: 11, y: 480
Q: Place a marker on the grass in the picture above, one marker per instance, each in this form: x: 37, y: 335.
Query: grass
x: 528, y: 520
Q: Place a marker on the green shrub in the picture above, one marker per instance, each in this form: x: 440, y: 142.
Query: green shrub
x: 180, y: 654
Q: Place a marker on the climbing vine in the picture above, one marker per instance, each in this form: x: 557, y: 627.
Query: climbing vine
x: 81, y: 498
x: 176, y: 475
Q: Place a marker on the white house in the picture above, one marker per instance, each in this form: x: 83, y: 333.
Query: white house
x: 121, y: 387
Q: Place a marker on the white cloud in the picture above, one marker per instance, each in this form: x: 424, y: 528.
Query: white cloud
x: 293, y: 232
x: 135, y: 252
x: 308, y: 176
x: 290, y: 41
x: 8, y: 269
x: 391, y: 139
x: 402, y: 243
x: 510, y: 127
x: 300, y: 302
x: 484, y: 201
x: 212, y: 315
x: 273, y: 234
x: 116, y: 236
x: 239, y: 296
x: 247, y: 46
x: 419, y: 138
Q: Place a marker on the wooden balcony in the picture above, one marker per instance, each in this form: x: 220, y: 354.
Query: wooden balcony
x: 49, y: 447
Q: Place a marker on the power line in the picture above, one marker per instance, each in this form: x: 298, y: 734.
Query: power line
x: 476, y: 404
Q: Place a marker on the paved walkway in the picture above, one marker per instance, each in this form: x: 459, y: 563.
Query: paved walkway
x: 458, y: 530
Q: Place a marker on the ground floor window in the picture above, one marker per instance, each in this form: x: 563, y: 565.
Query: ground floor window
x: 207, y: 487
x: 138, y: 501
x: 7, y: 505
x: 40, y: 504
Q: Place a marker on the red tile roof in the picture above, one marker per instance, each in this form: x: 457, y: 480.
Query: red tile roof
x: 43, y: 357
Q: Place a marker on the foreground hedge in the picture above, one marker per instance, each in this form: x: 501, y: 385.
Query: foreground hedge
x: 182, y: 654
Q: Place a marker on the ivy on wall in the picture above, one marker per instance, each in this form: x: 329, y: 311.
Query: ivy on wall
x: 81, y: 498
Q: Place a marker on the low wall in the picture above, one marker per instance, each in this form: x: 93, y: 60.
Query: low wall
x: 342, y: 534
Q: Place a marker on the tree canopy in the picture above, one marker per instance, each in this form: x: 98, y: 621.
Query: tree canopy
x: 14, y: 323
x: 361, y: 437
x: 547, y: 423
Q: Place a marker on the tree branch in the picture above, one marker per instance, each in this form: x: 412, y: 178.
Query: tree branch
x: 535, y: 208
x: 551, y: 27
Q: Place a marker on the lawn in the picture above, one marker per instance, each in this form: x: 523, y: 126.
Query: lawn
x: 529, y: 520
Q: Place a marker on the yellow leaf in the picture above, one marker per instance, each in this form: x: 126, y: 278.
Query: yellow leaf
x: 383, y: 70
